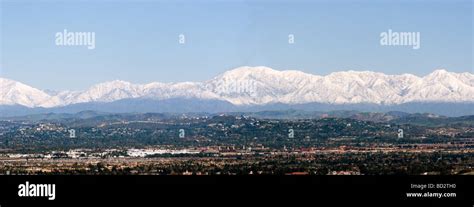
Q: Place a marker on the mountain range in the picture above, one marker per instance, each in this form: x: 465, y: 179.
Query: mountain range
x: 256, y: 88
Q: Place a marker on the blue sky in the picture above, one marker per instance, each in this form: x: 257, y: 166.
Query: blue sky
x: 138, y: 41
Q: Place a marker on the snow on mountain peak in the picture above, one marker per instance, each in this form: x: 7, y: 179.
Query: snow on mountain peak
x: 439, y: 71
x: 263, y: 85
x: 12, y: 92
x: 114, y: 83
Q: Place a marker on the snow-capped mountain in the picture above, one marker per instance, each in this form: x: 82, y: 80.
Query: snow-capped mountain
x: 263, y: 85
x: 16, y: 93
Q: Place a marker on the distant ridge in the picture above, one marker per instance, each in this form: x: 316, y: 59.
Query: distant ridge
x: 249, y: 88
x: 395, y: 117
